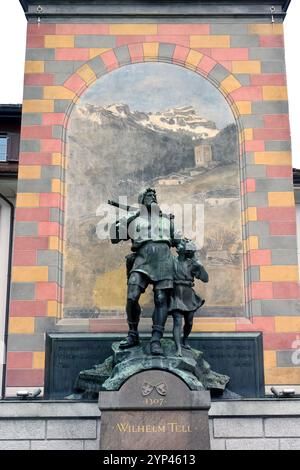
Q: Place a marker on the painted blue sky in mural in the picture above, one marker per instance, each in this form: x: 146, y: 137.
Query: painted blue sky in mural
x: 156, y: 87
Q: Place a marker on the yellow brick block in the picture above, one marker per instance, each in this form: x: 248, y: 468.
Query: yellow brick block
x: 34, y: 66
x: 30, y: 273
x: 287, y: 325
x: 253, y: 242
x: 58, y: 41
x: 53, y: 308
x: 94, y: 52
x: 38, y: 106
x: 270, y: 359
x: 251, y: 214
x: 38, y: 360
x: 57, y: 159
x: 273, y: 158
x: 55, y: 243
x: 21, y: 325
x: 58, y: 186
x: 279, y: 273
x: 151, y: 50
x: 244, y: 107
x: 129, y: 29
x: 193, y: 59
x: 275, y: 93
x: 246, y: 66
x: 230, y: 84
x: 282, y: 376
x: 281, y: 199
x: 87, y: 74
x: 30, y: 172
x: 265, y: 29
x: 210, y: 41
x: 248, y: 134
x: 28, y: 200
x: 58, y: 93
x: 216, y: 324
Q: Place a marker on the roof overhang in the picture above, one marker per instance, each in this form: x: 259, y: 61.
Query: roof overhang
x: 48, y: 9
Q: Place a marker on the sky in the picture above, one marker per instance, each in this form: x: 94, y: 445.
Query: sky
x: 12, y: 53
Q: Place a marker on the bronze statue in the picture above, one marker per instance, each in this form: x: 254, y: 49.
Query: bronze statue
x: 152, y: 235
x: 184, y: 301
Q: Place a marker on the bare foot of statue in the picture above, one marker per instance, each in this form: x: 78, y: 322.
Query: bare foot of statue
x: 129, y: 342
x: 156, y: 349
x: 185, y: 345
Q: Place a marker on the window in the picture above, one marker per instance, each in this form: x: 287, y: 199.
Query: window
x: 3, y: 148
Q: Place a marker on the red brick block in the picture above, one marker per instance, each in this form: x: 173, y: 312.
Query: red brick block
x: 82, y: 29
x: 264, y: 324
x: 53, y: 119
x: 19, y: 360
x: 51, y: 200
x: 108, y: 326
x: 38, y: 79
x: 230, y: 54
x: 278, y: 341
x: 204, y: 51
x: 131, y: 39
x: 35, y: 42
x: 283, y: 228
x: 136, y: 52
x: 24, y: 258
x: 35, y: 29
x: 254, y: 146
x: 35, y: 214
x: 28, y: 308
x: 51, y: 145
x: 250, y: 185
x: 206, y: 65
x: 260, y: 257
x: 261, y: 290
x: 40, y: 158
x: 49, y: 229
x: 248, y: 93
x: 72, y: 54
x: 75, y: 83
x: 276, y: 213
x: 110, y: 60
x: 279, y: 171
x: 183, y: 29
x: 173, y: 39
x: 30, y: 243
x: 268, y: 79
x: 272, y: 134
x: 36, y: 132
x: 180, y: 54
x: 272, y: 41
x: 277, y: 121
x: 46, y: 291
x: 286, y: 290
x: 25, y: 378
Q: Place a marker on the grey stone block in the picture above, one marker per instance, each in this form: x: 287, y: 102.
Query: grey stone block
x: 249, y: 159
x: 232, y: 29
x: 238, y: 427
x: 57, y: 445
x: 40, y: 54
x: 280, y: 307
x: 22, y: 291
x: 286, y: 358
x: 290, y: 444
x: 51, y: 171
x: 30, y: 146
x: 282, y: 427
x: 267, y: 54
x: 256, y: 171
x: 60, y: 78
x: 273, y: 67
x: 95, y: 41
x: 98, y: 66
x: 61, y: 106
x: 252, y: 444
x: 244, y: 41
x: 253, y: 274
x: 252, y: 121
x: 257, y: 199
x: 270, y: 107
x: 14, y: 445
x: 48, y: 258
x: 33, y: 93
x: 122, y: 54
x: 58, y: 132
x: 217, y: 444
x: 288, y: 242
x: 20, y: 342
x: 23, y: 429
x: 219, y: 73
x: 243, y: 78
x: 45, y: 324
x: 166, y: 51
x: 255, y: 307
x: 274, y: 184
x: 278, y: 145
x: 56, y: 215
x: 258, y: 228
x: 55, y: 274
x: 32, y: 119
x: 35, y: 186
x: 26, y: 229
x: 92, y: 445
x: 62, y: 66
x: 284, y: 257
x: 71, y: 429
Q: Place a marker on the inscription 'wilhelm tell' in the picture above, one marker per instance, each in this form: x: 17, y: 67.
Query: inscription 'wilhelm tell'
x: 159, y: 428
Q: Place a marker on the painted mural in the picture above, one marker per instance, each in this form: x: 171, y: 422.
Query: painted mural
x: 166, y: 127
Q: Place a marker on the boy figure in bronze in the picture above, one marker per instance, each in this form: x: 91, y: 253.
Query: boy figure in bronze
x: 152, y: 235
x: 184, y: 301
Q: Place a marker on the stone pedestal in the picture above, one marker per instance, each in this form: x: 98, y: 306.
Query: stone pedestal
x: 154, y: 410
